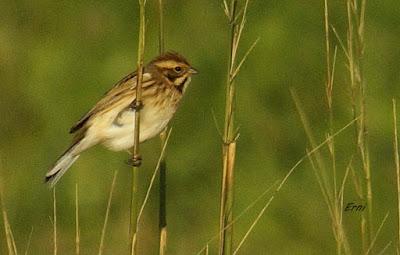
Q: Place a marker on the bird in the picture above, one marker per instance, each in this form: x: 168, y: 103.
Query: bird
x: 111, y: 120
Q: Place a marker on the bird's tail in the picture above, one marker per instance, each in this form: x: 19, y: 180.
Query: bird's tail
x: 63, y: 164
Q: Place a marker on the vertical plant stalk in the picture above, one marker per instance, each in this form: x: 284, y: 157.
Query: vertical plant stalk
x: 133, y: 211
x: 136, y: 131
x: 229, y: 144
x: 337, y: 206
x: 373, y: 240
x: 77, y: 230
x: 281, y: 183
x: 355, y: 52
x: 284, y: 180
x: 333, y: 199
x: 397, y: 163
x: 54, y: 222
x: 236, y: 21
x: 227, y: 198
x: 103, y: 230
x: 11, y: 246
x: 329, y: 93
x: 28, y: 243
x: 162, y: 214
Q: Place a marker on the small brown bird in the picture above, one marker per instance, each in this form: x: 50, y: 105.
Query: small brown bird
x: 111, y: 121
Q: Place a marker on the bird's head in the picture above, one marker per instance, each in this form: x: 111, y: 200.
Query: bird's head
x: 175, y: 68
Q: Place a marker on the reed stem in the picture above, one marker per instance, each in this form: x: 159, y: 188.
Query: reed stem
x: 136, y: 153
x: 229, y: 143
x: 236, y: 21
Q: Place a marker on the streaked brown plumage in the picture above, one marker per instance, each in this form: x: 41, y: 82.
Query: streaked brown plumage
x: 111, y: 121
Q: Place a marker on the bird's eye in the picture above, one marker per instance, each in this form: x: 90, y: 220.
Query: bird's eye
x: 178, y: 69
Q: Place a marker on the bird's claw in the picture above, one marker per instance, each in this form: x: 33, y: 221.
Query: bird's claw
x: 135, y: 161
x: 136, y: 107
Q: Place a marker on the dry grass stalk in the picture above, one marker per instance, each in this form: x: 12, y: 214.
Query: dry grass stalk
x: 135, y: 154
x: 11, y: 246
x: 372, y: 244
x: 318, y: 156
x: 336, y: 208
x: 28, y: 243
x: 383, y: 251
x: 133, y: 212
x: 236, y: 22
x: 77, y: 230
x: 227, y: 199
x: 330, y: 74
x: 260, y: 214
x: 240, y: 215
x: 103, y: 231
x: 355, y: 54
x: 397, y: 163
x: 55, y: 247
x: 225, y: 242
x: 332, y: 197
x: 284, y: 180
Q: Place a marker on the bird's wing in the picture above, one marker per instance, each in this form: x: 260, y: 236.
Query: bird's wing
x: 122, y: 89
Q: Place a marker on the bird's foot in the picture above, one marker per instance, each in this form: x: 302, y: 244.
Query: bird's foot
x: 136, y: 107
x: 135, y: 161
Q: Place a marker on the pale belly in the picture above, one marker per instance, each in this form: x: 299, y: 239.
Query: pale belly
x: 119, y: 135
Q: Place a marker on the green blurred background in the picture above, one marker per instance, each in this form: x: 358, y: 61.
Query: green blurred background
x: 58, y: 57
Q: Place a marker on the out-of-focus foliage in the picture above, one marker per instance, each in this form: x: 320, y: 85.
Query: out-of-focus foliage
x: 58, y: 57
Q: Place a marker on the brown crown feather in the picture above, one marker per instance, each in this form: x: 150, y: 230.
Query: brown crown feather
x: 170, y: 55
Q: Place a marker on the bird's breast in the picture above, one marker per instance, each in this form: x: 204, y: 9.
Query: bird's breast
x: 153, y: 119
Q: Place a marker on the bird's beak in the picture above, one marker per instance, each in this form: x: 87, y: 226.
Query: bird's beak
x: 193, y: 71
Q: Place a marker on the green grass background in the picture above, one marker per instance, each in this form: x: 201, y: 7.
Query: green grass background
x: 58, y: 57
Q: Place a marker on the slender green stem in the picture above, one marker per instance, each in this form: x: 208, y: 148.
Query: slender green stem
x: 136, y: 153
